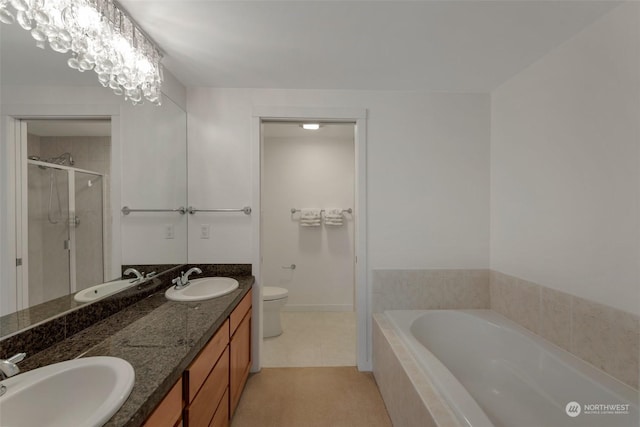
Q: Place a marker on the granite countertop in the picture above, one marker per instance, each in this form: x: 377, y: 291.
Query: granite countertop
x: 160, y: 338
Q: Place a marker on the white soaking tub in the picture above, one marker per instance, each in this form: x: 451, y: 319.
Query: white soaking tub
x: 494, y: 373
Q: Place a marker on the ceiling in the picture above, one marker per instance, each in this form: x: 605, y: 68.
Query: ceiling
x: 449, y: 45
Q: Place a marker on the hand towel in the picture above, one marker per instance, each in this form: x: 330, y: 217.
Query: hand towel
x: 310, y: 217
x: 334, y: 217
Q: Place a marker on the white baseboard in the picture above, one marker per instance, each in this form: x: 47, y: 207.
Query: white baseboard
x: 318, y: 307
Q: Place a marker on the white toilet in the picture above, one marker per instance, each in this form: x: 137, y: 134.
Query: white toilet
x: 273, y: 299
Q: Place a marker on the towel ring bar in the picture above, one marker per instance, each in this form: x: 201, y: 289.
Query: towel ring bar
x: 127, y: 210
x: 246, y: 210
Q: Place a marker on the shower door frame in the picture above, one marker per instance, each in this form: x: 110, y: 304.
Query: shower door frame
x: 70, y: 221
x: 17, y: 128
x: 11, y: 119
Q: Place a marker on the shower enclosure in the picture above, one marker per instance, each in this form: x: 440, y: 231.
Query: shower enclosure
x: 65, y: 208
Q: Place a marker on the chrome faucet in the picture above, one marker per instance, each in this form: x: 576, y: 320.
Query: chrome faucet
x: 183, y: 280
x: 139, y: 276
x: 9, y: 368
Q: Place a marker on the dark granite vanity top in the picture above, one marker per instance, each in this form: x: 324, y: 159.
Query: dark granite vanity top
x: 158, y: 337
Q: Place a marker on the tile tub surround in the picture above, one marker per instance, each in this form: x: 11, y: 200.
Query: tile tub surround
x: 603, y: 336
x: 430, y: 289
x: 160, y: 338
x: 408, y: 394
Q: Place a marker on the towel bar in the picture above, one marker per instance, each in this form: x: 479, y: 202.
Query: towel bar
x: 127, y: 210
x: 246, y: 210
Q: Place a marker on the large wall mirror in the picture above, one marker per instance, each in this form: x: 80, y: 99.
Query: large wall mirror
x: 73, y: 156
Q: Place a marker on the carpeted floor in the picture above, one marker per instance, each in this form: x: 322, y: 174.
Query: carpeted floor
x: 311, y: 397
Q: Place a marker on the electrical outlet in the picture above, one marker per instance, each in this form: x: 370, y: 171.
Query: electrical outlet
x: 204, y: 231
x: 169, y: 232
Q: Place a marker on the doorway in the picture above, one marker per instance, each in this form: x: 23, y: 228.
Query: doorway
x: 308, y: 243
x: 362, y: 297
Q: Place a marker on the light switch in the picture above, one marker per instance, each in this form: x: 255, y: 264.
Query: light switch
x: 204, y: 231
x: 169, y: 232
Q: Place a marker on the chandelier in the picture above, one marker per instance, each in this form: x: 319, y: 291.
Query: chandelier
x: 101, y: 37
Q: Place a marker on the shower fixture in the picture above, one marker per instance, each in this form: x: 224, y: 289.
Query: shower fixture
x: 53, y: 182
x: 64, y: 159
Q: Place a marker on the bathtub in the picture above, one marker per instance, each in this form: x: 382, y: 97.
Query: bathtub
x: 494, y: 373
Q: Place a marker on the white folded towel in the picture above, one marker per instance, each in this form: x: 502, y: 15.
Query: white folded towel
x: 333, y: 217
x: 310, y: 217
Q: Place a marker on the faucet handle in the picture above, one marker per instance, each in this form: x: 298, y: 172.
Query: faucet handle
x: 150, y: 275
x: 16, y: 358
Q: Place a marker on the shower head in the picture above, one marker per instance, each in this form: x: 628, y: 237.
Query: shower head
x: 62, y: 159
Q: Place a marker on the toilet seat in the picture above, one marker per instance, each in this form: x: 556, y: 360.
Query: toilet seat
x: 270, y: 293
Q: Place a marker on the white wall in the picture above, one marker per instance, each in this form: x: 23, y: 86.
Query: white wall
x: 565, y: 177
x: 310, y: 171
x: 428, y: 166
x: 154, y: 176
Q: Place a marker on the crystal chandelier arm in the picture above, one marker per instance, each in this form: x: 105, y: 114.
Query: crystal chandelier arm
x: 101, y: 36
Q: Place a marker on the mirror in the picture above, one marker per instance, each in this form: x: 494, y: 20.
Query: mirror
x: 73, y: 155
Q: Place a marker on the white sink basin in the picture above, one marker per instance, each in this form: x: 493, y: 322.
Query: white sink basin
x: 102, y: 290
x: 81, y: 393
x: 201, y: 289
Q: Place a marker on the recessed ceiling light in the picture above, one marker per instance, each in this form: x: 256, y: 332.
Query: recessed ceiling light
x: 311, y: 126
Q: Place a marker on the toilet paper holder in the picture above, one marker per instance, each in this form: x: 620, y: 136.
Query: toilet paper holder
x: 291, y: 267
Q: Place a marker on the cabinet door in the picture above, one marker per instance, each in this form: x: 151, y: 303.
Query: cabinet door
x: 169, y: 411
x: 240, y: 360
x: 200, y: 412
x: 221, y: 417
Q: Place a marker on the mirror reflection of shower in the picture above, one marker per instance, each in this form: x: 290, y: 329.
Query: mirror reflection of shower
x: 68, y: 162
x: 63, y: 159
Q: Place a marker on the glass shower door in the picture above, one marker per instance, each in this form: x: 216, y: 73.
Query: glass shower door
x: 48, y: 231
x: 88, y: 229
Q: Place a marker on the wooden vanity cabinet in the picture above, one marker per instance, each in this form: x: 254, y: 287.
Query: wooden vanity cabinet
x: 210, y: 388
x: 240, y: 350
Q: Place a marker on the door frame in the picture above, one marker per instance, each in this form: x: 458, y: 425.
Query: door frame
x: 358, y: 116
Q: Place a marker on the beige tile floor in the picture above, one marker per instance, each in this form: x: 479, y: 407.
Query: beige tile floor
x: 311, y: 397
x: 312, y: 339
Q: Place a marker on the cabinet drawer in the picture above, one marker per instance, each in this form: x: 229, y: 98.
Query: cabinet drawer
x: 169, y: 411
x: 196, y: 374
x: 238, y: 313
x: 203, y: 406
x: 221, y: 418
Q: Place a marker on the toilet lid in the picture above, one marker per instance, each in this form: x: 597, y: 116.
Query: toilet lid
x: 271, y: 292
